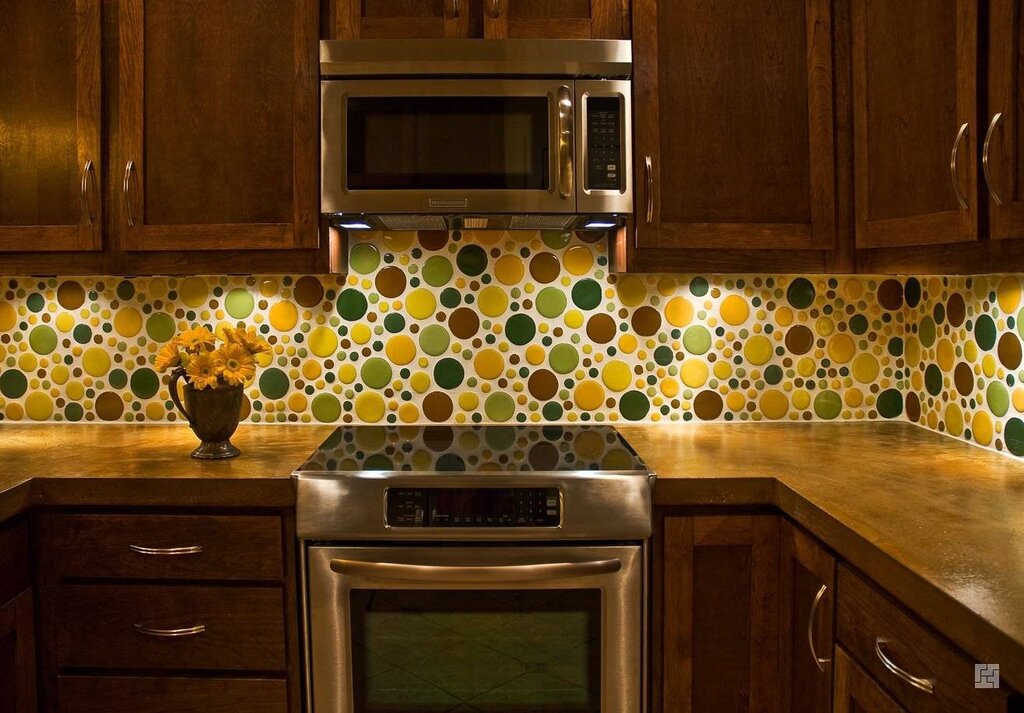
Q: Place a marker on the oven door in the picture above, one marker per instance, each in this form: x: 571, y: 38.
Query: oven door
x: 498, y: 629
x: 447, y: 146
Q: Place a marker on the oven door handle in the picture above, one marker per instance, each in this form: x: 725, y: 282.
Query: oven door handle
x: 564, y: 143
x: 399, y: 572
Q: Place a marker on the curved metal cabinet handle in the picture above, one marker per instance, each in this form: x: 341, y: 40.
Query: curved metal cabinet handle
x: 984, y: 159
x: 126, y: 185
x: 954, y: 155
x: 565, y: 118
x: 88, y: 183
x: 167, y: 551
x: 494, y: 8
x: 819, y: 662
x: 455, y: 9
x: 170, y: 633
x: 649, y: 175
x: 469, y: 575
x: 922, y: 684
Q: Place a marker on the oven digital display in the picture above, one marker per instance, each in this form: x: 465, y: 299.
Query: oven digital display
x: 473, y: 507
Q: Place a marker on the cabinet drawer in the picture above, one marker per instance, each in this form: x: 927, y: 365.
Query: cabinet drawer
x: 92, y: 694
x: 170, y: 627
x: 222, y: 547
x: 866, y: 615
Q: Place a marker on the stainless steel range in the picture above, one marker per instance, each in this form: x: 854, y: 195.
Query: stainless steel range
x: 477, y: 568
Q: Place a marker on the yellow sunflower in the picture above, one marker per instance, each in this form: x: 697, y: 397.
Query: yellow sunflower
x: 197, y: 340
x: 249, y: 340
x: 201, y: 372
x: 234, y: 364
x: 169, y: 357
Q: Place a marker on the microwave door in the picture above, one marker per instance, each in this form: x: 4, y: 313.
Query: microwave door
x: 448, y: 146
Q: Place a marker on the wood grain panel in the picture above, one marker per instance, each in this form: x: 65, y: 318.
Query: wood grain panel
x: 720, y: 605
x: 121, y: 694
x: 15, y: 558
x: 914, y: 86
x: 865, y: 614
x: 857, y: 692
x: 246, y: 547
x: 49, y: 124
x: 1004, y: 192
x: 231, y: 163
x: 18, y: 656
x: 245, y: 628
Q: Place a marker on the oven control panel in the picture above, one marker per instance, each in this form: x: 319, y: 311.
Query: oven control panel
x: 473, y: 507
x: 604, y: 144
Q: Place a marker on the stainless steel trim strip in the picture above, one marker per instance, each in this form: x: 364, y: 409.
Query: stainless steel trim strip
x: 953, y: 157
x: 922, y: 684
x: 170, y: 633
x: 516, y: 57
x: 506, y: 575
x: 984, y: 159
x: 565, y: 142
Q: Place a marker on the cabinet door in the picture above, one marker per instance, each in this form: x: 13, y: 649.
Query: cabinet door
x: 808, y: 610
x: 50, y: 171
x: 857, y: 692
x: 17, y: 656
x: 218, y: 120
x: 1003, y: 145
x: 721, y: 614
x: 407, y: 19
x: 915, y: 128
x: 557, y: 19
x: 734, y: 124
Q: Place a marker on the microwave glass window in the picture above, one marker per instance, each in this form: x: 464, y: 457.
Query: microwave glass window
x: 448, y: 143
x: 507, y: 651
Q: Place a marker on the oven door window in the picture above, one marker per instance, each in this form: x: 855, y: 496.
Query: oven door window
x: 448, y: 143
x: 506, y: 651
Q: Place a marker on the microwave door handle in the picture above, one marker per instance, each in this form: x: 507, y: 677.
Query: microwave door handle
x: 401, y: 573
x: 565, y: 122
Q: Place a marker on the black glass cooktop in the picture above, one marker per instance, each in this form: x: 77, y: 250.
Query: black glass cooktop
x: 478, y: 449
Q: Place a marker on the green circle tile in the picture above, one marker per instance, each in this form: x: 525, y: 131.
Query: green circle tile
x: 985, y: 332
x: 274, y: 383
x: 42, y: 339
x: 586, y: 294
x: 472, y: 260
x: 551, y: 302
x: 351, y: 304
x: 1015, y: 436
x: 239, y: 303
x: 634, y: 405
x: 434, y: 340
x: 890, y: 403
x: 926, y: 332
x: 697, y: 339
x: 160, y: 327
x: 828, y: 405
x: 145, y: 383
x: 326, y: 408
x: 364, y: 258
x: 563, y: 358
x: 998, y: 398
x: 520, y: 329
x: 800, y: 293
x: 499, y: 407
x: 376, y: 373
x: 698, y: 287
x: 555, y: 239
x: 449, y: 373
x: 437, y: 270
x: 13, y: 384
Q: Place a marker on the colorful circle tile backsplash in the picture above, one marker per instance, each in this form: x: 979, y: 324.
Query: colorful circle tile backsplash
x: 482, y: 327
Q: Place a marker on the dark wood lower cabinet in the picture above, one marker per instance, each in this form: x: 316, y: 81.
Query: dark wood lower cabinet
x: 808, y: 584
x: 122, y: 694
x: 857, y: 692
x: 17, y: 656
x: 720, y: 604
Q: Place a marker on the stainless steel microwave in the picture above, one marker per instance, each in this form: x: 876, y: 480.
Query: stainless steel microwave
x: 476, y: 133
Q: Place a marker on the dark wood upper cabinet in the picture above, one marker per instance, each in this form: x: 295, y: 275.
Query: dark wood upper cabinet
x: 1003, y: 143
x: 734, y: 125
x: 915, y: 124
x: 407, y: 19
x: 218, y: 124
x: 808, y: 598
x: 50, y: 161
x: 559, y: 19
x: 720, y: 614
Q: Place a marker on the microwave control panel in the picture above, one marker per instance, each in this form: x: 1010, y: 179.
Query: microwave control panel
x: 604, y: 144
x: 473, y: 507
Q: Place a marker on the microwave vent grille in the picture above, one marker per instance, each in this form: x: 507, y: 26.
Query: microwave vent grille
x: 414, y: 222
x: 541, y: 222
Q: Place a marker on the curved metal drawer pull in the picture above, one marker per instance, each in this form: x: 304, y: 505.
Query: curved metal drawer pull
x: 191, y: 550
x: 126, y: 187
x: 649, y: 175
x: 88, y: 179
x: 455, y: 8
x: 953, y: 157
x: 922, y: 684
x: 984, y: 159
x: 495, y: 9
x: 170, y: 633
x: 810, y: 629
x: 450, y: 575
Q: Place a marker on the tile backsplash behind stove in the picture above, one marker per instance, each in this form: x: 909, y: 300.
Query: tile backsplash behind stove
x: 518, y: 327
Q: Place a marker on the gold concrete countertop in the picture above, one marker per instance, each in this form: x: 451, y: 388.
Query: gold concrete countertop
x: 936, y: 522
